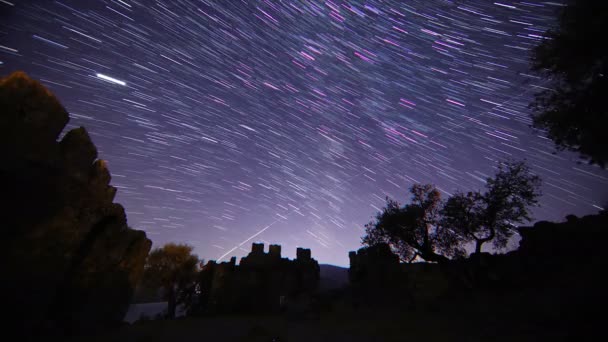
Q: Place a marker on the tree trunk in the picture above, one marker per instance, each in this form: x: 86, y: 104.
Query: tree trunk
x: 478, y: 244
x: 413, y: 258
x: 171, y: 303
x: 480, y: 241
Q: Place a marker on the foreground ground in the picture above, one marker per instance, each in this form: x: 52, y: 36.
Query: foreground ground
x: 495, y: 320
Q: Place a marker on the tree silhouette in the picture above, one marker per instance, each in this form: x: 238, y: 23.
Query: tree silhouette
x: 491, y: 216
x: 574, y: 58
x: 413, y: 230
x: 173, y: 268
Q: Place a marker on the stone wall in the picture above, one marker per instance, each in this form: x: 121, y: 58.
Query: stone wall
x: 69, y: 259
x: 376, y: 266
x: 262, y: 282
x: 377, y: 278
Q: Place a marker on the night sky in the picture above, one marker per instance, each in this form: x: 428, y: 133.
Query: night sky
x: 227, y: 122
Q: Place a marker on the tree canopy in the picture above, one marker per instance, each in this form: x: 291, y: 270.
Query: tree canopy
x: 492, y: 216
x: 173, y: 268
x: 433, y: 230
x: 413, y: 230
x: 573, y: 57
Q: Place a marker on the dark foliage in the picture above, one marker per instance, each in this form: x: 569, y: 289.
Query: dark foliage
x: 173, y: 268
x: 491, y: 216
x: 574, y: 58
x: 413, y: 230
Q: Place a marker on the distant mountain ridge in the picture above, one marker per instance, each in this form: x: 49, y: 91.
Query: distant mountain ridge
x: 332, y: 277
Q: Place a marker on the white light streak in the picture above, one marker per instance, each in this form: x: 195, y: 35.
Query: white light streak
x: 244, y: 242
x: 111, y: 79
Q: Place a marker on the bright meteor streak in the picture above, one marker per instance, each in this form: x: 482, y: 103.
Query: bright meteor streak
x: 244, y: 242
x: 111, y: 79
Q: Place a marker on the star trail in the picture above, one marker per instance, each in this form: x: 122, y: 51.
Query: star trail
x: 226, y: 122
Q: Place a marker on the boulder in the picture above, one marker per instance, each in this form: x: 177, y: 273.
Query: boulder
x: 70, y: 260
x: 32, y: 118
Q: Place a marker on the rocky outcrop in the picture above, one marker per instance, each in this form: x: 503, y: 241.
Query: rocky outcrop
x: 261, y: 283
x: 376, y: 278
x: 69, y: 259
x: 559, y: 255
x: 557, y: 264
x: 375, y: 265
x: 568, y: 256
x: 572, y: 241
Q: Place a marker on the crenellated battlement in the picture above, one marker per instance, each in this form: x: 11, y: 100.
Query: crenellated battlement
x: 262, y: 282
x: 275, y: 251
x: 303, y: 254
x: 257, y: 248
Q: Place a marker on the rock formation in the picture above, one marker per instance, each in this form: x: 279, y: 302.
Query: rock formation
x: 261, y: 283
x: 69, y: 259
x: 377, y: 278
x: 376, y: 265
x: 555, y: 262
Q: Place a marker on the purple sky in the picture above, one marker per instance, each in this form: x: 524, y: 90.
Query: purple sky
x: 290, y: 122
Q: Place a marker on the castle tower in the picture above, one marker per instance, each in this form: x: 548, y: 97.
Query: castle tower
x: 257, y: 248
x: 275, y: 251
x: 303, y: 254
